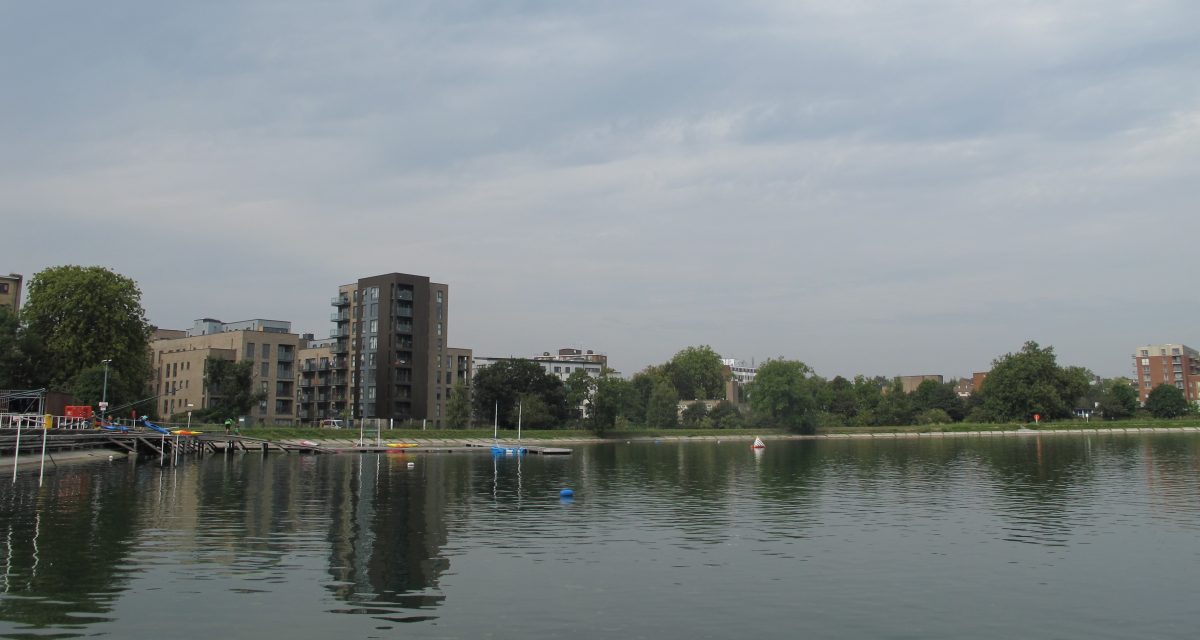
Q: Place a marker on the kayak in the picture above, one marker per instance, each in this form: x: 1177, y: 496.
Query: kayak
x: 185, y: 432
x: 401, y: 445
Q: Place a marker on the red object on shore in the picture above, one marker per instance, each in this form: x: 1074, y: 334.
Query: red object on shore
x: 78, y: 411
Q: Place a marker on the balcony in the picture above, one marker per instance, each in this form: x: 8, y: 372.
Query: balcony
x: 341, y: 346
x: 340, y: 316
x: 340, y: 301
x: 306, y: 382
x: 404, y: 295
x: 340, y: 363
x: 404, y: 312
x: 339, y: 332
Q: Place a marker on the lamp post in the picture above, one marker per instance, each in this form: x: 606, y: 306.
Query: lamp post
x: 189, y: 408
x: 104, y: 391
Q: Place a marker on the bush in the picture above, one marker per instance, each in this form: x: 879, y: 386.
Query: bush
x: 933, y: 416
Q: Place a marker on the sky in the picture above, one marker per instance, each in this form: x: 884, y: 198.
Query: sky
x: 878, y: 188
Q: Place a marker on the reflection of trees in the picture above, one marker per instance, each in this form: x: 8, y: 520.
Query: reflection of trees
x: 63, y: 544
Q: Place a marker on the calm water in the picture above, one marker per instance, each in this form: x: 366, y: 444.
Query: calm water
x: 1062, y: 537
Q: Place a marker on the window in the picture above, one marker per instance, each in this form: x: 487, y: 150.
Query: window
x: 439, y: 296
x: 372, y: 343
x: 1145, y: 352
x: 4, y: 287
x: 266, y: 352
x: 266, y: 369
x: 374, y: 326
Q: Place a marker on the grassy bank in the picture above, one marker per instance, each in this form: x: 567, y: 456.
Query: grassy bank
x: 279, y: 433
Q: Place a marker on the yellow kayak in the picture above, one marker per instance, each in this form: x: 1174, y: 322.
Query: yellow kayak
x: 186, y: 432
x: 401, y: 445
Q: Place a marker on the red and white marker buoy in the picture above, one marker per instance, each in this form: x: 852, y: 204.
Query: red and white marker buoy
x: 758, y: 444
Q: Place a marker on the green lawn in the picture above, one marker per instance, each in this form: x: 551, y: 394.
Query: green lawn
x: 278, y: 433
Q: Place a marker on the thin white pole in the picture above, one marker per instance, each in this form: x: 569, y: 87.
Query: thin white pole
x: 519, y: 408
x: 360, y: 431
x: 496, y: 422
x: 42, y: 471
x: 17, y: 453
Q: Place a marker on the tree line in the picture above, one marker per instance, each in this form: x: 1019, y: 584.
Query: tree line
x: 789, y: 394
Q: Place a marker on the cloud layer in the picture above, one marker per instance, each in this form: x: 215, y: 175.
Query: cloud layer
x: 877, y: 188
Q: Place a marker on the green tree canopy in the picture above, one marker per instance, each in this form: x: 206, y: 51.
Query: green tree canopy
x: 694, y: 414
x: 662, y: 409
x: 786, y: 392
x: 458, y: 408
x: 1166, y: 401
x: 578, y: 387
x: 501, y: 385
x: 230, y: 389
x: 697, y: 374
x: 20, y: 354
x: 931, y: 394
x: 726, y: 416
x: 612, y: 399
x: 1031, y: 382
x: 1118, y: 400
x: 82, y: 316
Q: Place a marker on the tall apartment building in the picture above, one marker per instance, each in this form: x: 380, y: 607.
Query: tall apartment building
x: 392, y: 348
x: 10, y: 292
x: 1174, y: 364
x: 178, y: 367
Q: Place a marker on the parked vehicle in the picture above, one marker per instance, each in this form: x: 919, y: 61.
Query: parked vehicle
x: 331, y: 424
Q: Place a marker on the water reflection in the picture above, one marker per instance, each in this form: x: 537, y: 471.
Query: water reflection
x: 367, y: 538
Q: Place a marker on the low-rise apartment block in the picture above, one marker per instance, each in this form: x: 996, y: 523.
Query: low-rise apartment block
x: 178, y: 367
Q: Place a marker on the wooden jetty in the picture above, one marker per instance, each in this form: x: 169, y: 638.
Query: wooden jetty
x: 138, y: 442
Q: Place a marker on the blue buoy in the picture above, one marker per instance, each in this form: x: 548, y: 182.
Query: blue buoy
x: 566, y: 493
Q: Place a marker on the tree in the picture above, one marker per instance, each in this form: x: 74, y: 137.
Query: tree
x: 895, y: 408
x: 843, y: 401
x: 785, y: 392
x: 532, y: 412
x: 230, y: 389
x: 578, y: 388
x: 610, y: 400
x: 641, y: 386
x: 931, y: 394
x: 697, y: 374
x: 662, y: 410
x: 458, y: 408
x: 1118, y: 400
x: 82, y: 316
x: 1166, y: 401
x: 499, y: 388
x: 1031, y: 382
x: 694, y: 414
x: 19, y: 354
x: 725, y: 415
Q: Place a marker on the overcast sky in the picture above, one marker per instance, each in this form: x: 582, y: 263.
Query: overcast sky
x: 877, y: 187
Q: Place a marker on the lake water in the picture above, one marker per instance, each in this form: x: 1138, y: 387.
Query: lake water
x: 995, y: 537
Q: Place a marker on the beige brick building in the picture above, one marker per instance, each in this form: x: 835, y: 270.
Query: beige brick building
x: 178, y: 367
x: 10, y: 292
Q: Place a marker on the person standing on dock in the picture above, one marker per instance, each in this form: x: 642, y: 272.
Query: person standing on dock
x: 228, y: 425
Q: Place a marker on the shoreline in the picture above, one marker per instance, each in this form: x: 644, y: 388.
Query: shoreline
x: 892, y: 435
